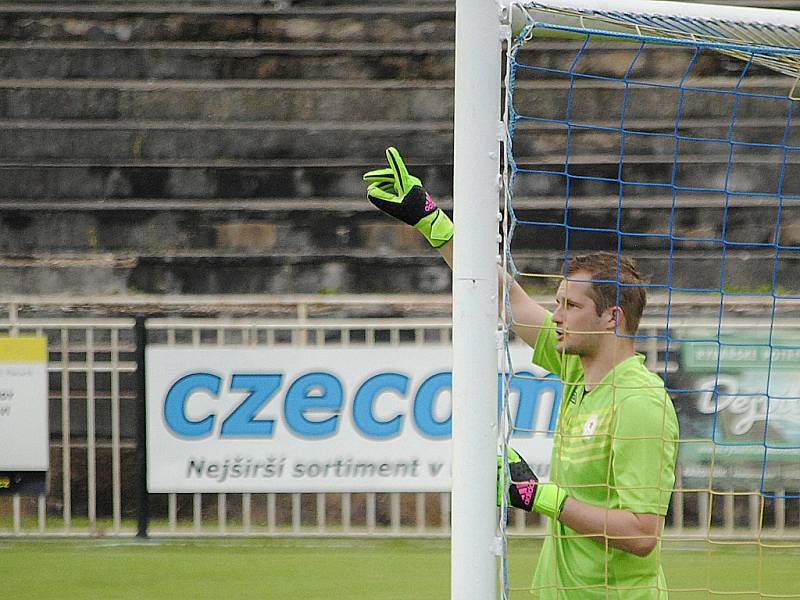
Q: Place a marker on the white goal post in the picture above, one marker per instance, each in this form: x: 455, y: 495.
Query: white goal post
x: 475, y: 191
x: 481, y: 28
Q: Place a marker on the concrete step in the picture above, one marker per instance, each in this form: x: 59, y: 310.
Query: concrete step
x: 154, y: 22
x: 602, y: 100
x: 344, y: 100
x: 745, y: 227
x: 588, y: 175
x: 225, y: 101
x: 412, y: 58
x: 221, y: 61
x: 230, y: 4
x: 191, y: 141
x: 337, y: 3
x: 278, y: 178
x: 191, y: 273
x: 231, y: 230
x: 353, y: 224
x: 351, y: 205
x: 548, y: 58
x: 744, y: 273
x: 116, y: 141
x: 359, y: 272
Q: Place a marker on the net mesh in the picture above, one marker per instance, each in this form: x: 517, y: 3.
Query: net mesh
x: 673, y: 142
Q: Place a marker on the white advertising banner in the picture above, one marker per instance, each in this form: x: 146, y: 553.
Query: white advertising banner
x: 24, y: 435
x: 243, y: 419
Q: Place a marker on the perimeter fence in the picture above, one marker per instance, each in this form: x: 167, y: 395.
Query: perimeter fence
x: 97, y: 427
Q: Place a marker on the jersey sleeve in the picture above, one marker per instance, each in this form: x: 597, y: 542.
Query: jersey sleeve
x: 644, y: 450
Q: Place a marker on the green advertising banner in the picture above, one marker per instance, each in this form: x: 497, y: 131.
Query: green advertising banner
x: 741, y: 421
x: 740, y: 352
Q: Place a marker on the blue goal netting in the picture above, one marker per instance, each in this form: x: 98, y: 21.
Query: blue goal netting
x: 683, y: 155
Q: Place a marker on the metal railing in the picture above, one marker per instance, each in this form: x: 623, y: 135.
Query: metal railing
x: 93, y: 403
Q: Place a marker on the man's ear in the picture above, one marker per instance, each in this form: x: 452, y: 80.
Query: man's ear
x: 616, y: 318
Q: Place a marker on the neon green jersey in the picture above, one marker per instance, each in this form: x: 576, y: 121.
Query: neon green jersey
x: 614, y: 446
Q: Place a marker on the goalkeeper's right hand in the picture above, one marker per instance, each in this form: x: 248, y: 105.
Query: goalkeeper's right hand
x: 401, y: 195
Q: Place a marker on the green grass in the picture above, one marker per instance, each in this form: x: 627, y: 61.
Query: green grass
x: 353, y: 569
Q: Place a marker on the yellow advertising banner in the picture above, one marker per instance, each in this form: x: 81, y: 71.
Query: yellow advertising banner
x: 24, y: 430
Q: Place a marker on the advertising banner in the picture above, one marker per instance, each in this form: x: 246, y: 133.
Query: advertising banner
x: 745, y: 401
x: 294, y: 419
x: 24, y: 439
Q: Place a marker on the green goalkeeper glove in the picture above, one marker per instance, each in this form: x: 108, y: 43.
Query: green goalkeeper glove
x: 524, y: 489
x: 401, y: 195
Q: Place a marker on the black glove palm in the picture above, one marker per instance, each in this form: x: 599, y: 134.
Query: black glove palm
x: 524, y: 490
x: 521, y: 481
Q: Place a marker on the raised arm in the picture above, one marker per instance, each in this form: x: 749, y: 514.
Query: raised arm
x: 528, y: 314
x: 401, y: 195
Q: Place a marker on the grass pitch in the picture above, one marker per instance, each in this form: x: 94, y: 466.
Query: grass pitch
x: 352, y: 569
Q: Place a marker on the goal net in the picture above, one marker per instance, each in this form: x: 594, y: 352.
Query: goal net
x: 668, y: 133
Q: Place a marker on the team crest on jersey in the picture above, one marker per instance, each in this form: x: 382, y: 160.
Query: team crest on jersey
x: 590, y: 425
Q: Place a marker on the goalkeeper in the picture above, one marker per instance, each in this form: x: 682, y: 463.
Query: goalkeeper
x: 615, y: 444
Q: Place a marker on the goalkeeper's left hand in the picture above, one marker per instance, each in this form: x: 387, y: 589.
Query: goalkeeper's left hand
x: 524, y: 489
x: 399, y: 194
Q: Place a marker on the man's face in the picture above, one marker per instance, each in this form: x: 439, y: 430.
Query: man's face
x: 579, y: 329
